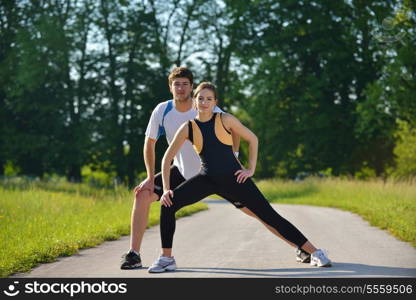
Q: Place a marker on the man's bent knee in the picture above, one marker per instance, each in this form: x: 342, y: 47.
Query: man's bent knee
x: 145, y: 196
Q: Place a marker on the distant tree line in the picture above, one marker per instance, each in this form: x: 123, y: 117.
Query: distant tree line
x: 328, y: 86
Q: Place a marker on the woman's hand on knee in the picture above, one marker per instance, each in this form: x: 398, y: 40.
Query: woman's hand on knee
x: 243, y: 174
x: 165, y: 200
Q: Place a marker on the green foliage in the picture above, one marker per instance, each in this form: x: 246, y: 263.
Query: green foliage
x: 309, y: 64
x: 97, y: 177
x: 405, y: 151
x: 40, y: 221
x: 10, y: 169
x: 320, y: 82
x: 365, y: 173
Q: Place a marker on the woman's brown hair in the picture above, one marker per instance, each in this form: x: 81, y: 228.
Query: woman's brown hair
x: 206, y: 85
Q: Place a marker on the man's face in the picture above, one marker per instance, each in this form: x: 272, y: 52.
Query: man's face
x: 181, y: 89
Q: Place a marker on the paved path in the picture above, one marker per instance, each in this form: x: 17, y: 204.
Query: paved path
x: 223, y: 242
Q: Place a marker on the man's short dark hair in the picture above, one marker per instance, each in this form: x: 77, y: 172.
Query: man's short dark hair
x: 181, y: 72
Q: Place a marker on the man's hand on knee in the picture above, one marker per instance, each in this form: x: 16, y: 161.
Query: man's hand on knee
x: 146, y: 184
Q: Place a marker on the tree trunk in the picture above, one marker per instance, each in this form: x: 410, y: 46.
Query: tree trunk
x: 74, y: 174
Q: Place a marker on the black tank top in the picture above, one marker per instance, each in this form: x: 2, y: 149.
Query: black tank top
x: 213, y: 143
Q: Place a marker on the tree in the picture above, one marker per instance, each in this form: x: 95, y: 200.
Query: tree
x: 405, y: 152
x: 309, y: 63
x: 10, y: 15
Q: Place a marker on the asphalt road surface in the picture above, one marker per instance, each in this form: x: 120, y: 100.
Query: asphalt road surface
x: 224, y: 242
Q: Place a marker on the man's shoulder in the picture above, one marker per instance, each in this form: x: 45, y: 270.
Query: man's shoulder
x: 162, y: 106
x: 217, y: 109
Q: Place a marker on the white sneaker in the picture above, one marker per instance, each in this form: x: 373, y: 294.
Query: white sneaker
x: 319, y: 258
x: 163, y: 264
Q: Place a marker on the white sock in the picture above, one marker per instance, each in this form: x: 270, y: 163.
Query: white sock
x: 134, y: 252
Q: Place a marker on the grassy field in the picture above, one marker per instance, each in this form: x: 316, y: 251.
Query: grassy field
x: 390, y: 206
x: 41, y: 221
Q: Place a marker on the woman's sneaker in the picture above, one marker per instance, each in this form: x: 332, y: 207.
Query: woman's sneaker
x: 163, y: 264
x: 320, y: 259
x: 131, y: 260
x: 302, y: 256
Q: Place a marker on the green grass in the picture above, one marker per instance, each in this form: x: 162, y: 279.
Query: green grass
x: 41, y: 221
x: 390, y: 206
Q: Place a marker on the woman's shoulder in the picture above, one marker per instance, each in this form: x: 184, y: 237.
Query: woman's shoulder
x: 227, y: 117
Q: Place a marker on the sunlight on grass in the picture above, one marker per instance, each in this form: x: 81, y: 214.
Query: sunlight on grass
x: 39, y: 222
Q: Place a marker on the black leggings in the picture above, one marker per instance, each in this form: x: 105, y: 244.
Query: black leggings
x: 226, y: 186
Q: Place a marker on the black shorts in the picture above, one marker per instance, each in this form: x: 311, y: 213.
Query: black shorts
x: 176, y: 179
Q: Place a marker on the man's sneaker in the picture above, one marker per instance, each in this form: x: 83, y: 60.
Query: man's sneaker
x: 302, y: 256
x: 320, y: 259
x: 163, y: 264
x: 131, y: 260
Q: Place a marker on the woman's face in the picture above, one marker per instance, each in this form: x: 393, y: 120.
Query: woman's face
x: 205, y: 101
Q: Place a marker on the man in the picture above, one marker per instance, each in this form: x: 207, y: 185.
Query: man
x: 166, y: 119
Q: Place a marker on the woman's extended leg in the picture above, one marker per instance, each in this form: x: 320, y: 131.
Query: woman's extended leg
x: 249, y: 195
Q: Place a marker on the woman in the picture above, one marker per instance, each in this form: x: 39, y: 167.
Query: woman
x: 222, y: 174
